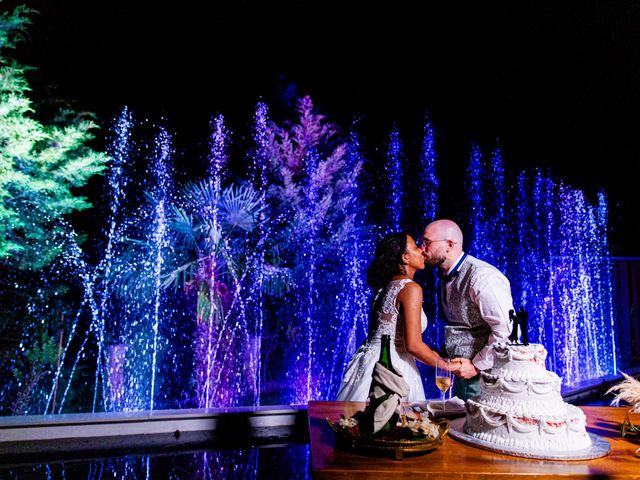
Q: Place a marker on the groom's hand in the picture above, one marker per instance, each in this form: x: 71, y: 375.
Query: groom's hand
x: 467, y: 368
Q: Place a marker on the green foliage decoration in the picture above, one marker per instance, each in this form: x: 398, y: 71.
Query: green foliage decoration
x: 45, y: 161
x: 42, y: 166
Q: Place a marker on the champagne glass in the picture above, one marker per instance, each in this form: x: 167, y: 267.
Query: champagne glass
x: 443, y: 379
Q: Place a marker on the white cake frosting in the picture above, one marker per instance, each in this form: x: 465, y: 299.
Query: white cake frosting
x: 520, y: 406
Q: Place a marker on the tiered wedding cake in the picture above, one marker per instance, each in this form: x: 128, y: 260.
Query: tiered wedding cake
x: 520, y: 407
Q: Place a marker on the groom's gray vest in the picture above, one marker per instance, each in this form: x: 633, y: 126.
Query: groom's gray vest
x: 465, y: 332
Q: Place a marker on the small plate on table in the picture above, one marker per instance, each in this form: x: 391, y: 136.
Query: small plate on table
x: 453, y: 408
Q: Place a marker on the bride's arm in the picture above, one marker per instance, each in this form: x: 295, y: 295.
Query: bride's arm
x: 410, y: 306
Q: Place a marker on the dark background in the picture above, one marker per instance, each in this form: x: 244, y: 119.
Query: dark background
x: 554, y: 84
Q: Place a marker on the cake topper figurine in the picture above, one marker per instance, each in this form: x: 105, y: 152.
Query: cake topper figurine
x: 521, y: 319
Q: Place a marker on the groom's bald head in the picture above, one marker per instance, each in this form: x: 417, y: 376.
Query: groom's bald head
x: 442, y: 243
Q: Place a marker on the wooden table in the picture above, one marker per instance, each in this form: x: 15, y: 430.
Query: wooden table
x: 454, y: 460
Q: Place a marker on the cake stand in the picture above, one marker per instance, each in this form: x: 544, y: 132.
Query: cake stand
x: 599, y: 447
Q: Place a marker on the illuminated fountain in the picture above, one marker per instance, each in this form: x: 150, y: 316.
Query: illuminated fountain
x: 248, y: 287
x: 552, y: 244
x: 395, y: 189
x: 75, y: 261
x: 427, y: 208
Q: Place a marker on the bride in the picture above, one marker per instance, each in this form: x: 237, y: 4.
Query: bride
x: 396, y: 310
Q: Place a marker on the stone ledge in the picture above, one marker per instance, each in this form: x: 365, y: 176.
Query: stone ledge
x: 118, y: 431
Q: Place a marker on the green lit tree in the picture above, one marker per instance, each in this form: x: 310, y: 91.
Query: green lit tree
x: 43, y: 167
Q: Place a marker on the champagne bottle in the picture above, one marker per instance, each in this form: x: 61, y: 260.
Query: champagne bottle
x: 385, y: 361
x: 385, y: 353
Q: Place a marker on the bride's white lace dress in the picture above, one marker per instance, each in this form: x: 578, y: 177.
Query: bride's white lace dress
x: 384, y: 319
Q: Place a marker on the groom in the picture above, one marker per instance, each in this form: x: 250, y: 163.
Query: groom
x: 476, y: 299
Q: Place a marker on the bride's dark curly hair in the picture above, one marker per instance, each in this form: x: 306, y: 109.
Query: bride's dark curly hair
x: 387, y: 260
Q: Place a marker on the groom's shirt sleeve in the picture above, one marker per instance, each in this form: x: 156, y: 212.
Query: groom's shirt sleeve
x: 491, y: 292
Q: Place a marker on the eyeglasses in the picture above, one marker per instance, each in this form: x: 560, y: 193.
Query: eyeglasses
x: 425, y: 242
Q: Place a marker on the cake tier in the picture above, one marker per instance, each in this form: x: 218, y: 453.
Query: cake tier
x: 533, y: 352
x: 528, y: 431
x: 513, y: 385
x: 524, y: 360
x: 521, y: 372
x: 524, y: 406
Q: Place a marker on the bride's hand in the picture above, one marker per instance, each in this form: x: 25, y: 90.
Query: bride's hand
x: 467, y: 369
x: 454, y: 365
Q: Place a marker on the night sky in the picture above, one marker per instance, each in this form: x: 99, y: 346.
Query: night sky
x: 554, y: 84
